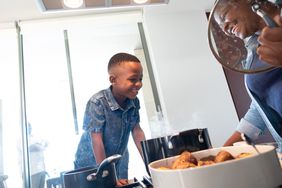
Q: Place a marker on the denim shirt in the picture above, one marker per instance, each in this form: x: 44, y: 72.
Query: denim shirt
x: 104, y: 115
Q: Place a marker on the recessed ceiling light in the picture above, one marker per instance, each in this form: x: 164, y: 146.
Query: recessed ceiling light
x: 140, y: 1
x: 77, y: 5
x: 73, y: 3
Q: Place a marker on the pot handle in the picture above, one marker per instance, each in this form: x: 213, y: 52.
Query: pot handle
x: 200, y: 136
x: 169, y: 138
x: 103, y: 164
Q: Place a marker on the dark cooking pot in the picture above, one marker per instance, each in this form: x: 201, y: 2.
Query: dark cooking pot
x: 90, y: 177
x: 171, y: 145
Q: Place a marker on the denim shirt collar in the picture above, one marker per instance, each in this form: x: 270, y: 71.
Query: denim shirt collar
x: 252, y: 42
x: 113, y: 103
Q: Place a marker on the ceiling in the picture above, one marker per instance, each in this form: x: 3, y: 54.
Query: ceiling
x: 30, y: 10
x: 55, y: 5
x: 14, y: 10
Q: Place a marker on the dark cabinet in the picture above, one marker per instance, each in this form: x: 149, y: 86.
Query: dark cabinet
x: 238, y: 91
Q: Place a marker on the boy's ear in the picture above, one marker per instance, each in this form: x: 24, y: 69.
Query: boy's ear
x: 112, y: 79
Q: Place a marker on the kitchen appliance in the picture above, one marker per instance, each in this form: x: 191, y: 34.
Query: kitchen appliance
x: 172, y: 145
x: 258, y: 170
x: 89, y: 177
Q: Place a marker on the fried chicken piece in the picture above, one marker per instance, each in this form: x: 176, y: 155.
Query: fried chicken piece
x: 223, y: 156
x: 208, y: 158
x: 164, y: 168
x: 243, y: 155
x: 185, y: 160
x: 205, y: 163
x: 187, y: 156
x: 184, y: 165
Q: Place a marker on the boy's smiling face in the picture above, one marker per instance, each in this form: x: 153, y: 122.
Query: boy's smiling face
x: 126, y: 80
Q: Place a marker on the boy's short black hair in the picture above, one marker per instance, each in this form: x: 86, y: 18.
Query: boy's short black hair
x: 121, y: 57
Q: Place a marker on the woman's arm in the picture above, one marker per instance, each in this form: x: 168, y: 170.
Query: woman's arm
x: 235, y: 137
x: 251, y: 124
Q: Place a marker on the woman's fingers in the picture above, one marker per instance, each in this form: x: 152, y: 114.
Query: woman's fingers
x: 271, y: 54
x: 270, y: 34
x: 270, y: 39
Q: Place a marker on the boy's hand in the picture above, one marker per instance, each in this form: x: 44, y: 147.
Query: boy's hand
x: 122, y: 182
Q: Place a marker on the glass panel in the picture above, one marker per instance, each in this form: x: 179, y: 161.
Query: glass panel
x: 49, y: 105
x: 48, y: 102
x: 10, y: 128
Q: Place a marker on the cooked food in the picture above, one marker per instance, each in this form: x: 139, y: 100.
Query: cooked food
x: 164, y: 168
x: 204, y: 163
x: 187, y: 160
x: 243, y: 155
x: 183, y: 165
x: 223, y: 156
x: 208, y: 158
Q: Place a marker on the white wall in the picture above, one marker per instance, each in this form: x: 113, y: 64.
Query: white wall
x: 192, y: 86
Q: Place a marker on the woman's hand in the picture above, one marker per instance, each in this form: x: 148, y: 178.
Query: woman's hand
x: 270, y: 40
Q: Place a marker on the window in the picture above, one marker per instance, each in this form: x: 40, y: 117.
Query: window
x: 49, y: 107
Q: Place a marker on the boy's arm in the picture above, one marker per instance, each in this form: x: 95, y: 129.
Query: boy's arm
x: 138, y: 135
x: 98, y: 147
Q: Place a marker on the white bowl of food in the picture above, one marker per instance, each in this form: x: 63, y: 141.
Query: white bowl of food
x: 225, y: 167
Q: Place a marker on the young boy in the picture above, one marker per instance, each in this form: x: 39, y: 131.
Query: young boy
x: 111, y: 115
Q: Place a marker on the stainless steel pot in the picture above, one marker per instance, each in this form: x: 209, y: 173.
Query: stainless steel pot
x: 92, y: 177
x: 172, y: 145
